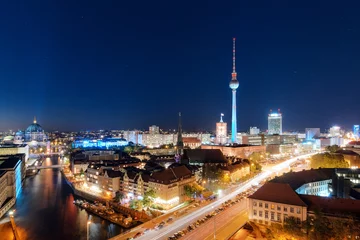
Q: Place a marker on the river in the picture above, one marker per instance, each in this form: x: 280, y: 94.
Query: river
x: 45, y: 210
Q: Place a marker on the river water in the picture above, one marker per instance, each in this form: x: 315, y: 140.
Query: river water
x: 45, y: 210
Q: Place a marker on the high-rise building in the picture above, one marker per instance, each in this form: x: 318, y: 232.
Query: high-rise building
x: 221, y: 131
x: 254, y: 130
x: 234, y: 84
x: 312, y: 133
x: 335, y: 131
x: 356, y: 131
x: 154, y: 129
x: 275, y: 123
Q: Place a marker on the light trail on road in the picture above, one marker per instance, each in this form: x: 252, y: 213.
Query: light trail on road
x: 183, y: 222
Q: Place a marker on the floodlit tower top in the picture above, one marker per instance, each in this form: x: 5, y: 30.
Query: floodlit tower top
x: 234, y: 83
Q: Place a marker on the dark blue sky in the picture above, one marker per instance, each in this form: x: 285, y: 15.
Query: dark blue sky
x: 129, y: 64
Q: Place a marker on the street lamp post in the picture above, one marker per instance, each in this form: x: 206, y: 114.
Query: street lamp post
x: 214, y: 225
x: 88, y: 230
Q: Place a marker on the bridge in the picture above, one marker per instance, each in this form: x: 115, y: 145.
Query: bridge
x: 44, y: 167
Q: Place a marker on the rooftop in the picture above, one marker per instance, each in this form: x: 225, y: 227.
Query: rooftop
x: 278, y: 192
x: 297, y: 179
x: 171, y: 175
x: 332, y: 205
x: 12, y: 145
x: 204, y: 156
x: 347, y: 152
x: 9, y: 163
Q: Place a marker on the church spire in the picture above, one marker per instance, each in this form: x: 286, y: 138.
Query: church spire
x: 180, y: 143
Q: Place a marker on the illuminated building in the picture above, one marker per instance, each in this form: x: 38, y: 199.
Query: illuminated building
x: 100, y: 143
x: 191, y: 142
x: 12, y: 149
x: 254, y: 131
x: 12, y: 173
x: 133, y: 136
x: 34, y: 132
x: 234, y: 84
x: 275, y: 123
x: 252, y: 139
x: 334, y: 131
x: 240, y: 151
x: 236, y: 171
x: 221, y: 131
x: 312, y: 133
x: 34, y: 136
x: 154, y: 129
x: 168, y: 184
x: 356, y: 131
x: 300, y: 194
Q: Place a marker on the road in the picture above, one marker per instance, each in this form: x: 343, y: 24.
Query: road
x: 180, y: 223
x: 236, y: 215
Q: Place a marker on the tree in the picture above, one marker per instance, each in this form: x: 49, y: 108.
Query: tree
x: 119, y: 196
x: 328, y: 160
x: 128, y: 149
x: 191, y: 189
x: 333, y: 148
x: 148, y: 198
x: 257, y: 156
x: 81, y: 172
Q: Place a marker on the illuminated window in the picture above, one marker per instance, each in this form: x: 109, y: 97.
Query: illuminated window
x: 272, y: 206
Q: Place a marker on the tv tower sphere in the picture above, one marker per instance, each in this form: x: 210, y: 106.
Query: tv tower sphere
x: 234, y: 84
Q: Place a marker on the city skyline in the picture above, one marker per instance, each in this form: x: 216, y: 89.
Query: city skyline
x: 109, y: 71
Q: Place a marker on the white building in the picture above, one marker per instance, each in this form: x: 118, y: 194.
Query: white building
x: 12, y: 149
x: 254, y: 130
x: 334, y: 131
x: 275, y: 123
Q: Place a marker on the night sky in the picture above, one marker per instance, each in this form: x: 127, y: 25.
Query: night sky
x: 81, y: 65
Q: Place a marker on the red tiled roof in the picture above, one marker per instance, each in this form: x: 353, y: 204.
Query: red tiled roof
x: 332, y: 205
x: 170, y: 175
x: 279, y: 193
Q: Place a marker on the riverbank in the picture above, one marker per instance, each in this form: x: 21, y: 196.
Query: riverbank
x: 139, y: 217
x: 107, y: 213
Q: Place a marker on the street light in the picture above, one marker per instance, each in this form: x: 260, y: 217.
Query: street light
x: 88, y: 230
x: 214, y: 225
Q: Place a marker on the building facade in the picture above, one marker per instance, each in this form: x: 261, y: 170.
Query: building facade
x: 275, y: 123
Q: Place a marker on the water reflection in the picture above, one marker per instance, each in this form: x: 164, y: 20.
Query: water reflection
x: 45, y: 210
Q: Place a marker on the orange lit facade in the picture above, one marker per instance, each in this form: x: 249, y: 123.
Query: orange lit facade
x: 241, y: 151
x: 191, y: 142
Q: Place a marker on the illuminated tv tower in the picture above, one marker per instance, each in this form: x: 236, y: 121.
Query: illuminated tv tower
x: 234, y: 84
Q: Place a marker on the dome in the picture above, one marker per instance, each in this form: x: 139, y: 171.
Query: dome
x: 19, y: 133
x: 234, y: 84
x: 34, y: 128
